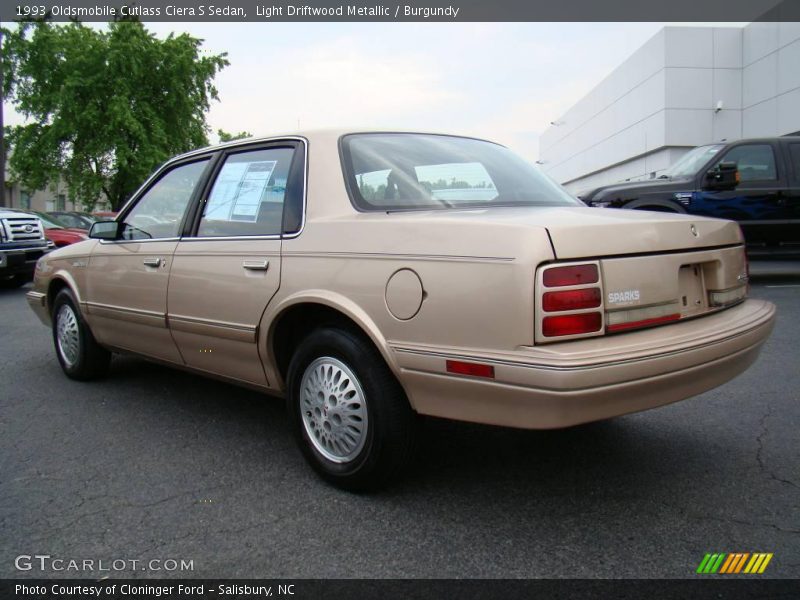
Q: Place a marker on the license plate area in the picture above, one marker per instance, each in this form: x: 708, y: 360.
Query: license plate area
x: 692, y: 297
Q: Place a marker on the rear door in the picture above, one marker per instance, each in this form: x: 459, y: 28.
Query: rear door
x: 228, y: 266
x: 791, y: 198
x: 758, y: 202
x: 126, y: 283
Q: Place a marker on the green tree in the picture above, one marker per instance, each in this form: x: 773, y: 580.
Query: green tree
x: 103, y: 108
x: 224, y: 136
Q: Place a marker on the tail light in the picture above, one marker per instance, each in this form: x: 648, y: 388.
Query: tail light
x: 572, y: 275
x: 735, y: 294
x: 721, y: 298
x: 572, y: 324
x: 571, y: 301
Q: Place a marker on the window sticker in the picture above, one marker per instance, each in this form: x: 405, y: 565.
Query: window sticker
x: 239, y: 191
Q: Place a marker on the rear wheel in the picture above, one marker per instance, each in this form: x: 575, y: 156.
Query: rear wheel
x: 350, y: 416
x: 78, y: 353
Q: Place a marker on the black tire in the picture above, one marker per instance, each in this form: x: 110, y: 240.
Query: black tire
x: 14, y: 282
x: 391, y: 424
x: 88, y: 360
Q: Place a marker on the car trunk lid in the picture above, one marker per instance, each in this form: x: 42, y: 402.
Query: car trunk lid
x: 601, y: 232
x: 653, y: 268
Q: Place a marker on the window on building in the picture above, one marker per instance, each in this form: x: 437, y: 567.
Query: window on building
x: 61, y: 202
x: 25, y: 199
x: 756, y: 162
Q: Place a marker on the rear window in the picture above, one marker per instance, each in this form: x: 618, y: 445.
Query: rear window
x: 403, y: 171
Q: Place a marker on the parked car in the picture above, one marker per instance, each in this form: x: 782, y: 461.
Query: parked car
x: 56, y: 231
x: 22, y: 243
x: 104, y: 215
x: 764, y: 198
x: 340, y: 271
x: 75, y: 219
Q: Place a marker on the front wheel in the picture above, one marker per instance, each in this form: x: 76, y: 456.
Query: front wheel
x: 349, y: 414
x: 78, y: 353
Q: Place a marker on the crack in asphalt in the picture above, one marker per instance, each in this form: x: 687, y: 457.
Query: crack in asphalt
x: 108, y: 508
x: 760, y: 451
x: 696, y: 517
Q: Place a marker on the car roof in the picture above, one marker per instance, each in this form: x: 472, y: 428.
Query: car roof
x: 308, y: 134
x: 785, y: 138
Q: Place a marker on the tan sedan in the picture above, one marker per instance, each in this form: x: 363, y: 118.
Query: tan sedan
x: 373, y: 277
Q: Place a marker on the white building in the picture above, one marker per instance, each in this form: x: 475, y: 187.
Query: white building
x: 685, y: 87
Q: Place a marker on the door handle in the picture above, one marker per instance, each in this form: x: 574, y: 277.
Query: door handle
x: 255, y: 265
x: 152, y: 262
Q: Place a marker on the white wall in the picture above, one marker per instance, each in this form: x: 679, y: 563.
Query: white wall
x: 771, y: 79
x: 663, y: 100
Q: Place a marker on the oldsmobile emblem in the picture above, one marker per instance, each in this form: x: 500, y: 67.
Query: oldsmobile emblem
x: 693, y: 229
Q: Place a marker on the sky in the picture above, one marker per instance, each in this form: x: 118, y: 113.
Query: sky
x: 501, y: 81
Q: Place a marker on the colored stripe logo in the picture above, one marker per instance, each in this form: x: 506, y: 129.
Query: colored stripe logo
x: 734, y: 562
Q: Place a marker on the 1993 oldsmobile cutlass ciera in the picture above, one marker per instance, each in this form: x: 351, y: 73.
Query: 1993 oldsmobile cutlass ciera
x: 373, y: 277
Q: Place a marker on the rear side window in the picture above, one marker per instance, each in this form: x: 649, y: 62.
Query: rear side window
x: 794, y: 156
x: 402, y: 171
x: 248, y: 195
x: 756, y: 162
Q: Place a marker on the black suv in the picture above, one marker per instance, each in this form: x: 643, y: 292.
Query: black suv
x: 755, y: 182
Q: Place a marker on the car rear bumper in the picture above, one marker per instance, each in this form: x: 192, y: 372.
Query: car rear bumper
x: 574, y: 382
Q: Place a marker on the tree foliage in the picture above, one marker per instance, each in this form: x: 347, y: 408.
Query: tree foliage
x: 103, y: 108
x: 224, y: 136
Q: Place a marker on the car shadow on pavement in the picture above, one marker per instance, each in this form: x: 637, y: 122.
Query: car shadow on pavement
x: 631, y: 453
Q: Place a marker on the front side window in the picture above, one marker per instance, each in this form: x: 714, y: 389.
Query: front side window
x: 159, y: 212
x: 756, y: 162
x: 248, y: 195
x: 400, y: 171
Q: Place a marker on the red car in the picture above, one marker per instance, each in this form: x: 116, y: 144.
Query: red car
x: 55, y: 231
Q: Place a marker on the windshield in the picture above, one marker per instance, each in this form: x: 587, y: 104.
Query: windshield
x: 49, y: 222
x: 401, y: 171
x: 690, y: 162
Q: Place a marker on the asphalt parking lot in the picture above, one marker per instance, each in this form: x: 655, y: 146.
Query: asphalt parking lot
x: 153, y: 463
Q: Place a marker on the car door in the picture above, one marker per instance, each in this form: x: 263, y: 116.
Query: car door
x: 127, y: 278
x: 792, y: 197
x: 757, y: 203
x: 228, y: 266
